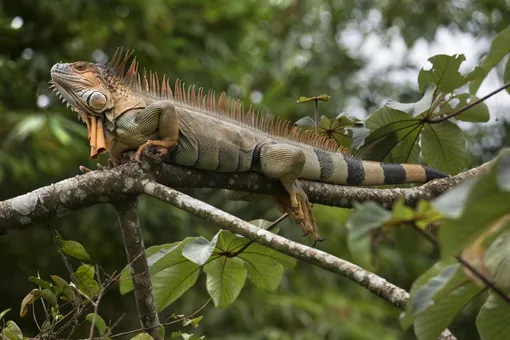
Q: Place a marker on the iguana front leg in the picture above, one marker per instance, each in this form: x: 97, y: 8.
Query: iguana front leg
x: 286, y: 162
x: 167, y: 127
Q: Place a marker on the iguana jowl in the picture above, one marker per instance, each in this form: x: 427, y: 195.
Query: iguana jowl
x: 124, y: 111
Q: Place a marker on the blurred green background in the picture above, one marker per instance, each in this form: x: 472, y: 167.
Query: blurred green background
x: 267, y: 53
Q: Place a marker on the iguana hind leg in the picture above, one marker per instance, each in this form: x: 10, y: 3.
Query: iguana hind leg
x: 286, y: 163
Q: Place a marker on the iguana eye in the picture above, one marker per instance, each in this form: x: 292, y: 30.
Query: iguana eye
x: 80, y: 66
x: 96, y: 100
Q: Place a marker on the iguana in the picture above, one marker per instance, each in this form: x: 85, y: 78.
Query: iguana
x: 126, y: 111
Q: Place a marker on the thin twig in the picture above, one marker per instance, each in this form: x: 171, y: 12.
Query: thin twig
x: 274, y: 224
x: 316, y: 111
x: 464, y: 263
x: 96, y: 305
x: 467, y: 107
x: 165, y: 323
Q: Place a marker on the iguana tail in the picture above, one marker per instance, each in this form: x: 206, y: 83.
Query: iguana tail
x: 338, y: 168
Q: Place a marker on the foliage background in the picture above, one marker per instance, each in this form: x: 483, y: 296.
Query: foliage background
x: 265, y: 52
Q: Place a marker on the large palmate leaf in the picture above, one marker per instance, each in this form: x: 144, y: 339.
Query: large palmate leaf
x: 493, y: 321
x: 393, y: 137
x: 444, y: 147
x: 474, y: 218
x: 437, y: 297
x: 444, y: 73
x: 225, y: 279
x: 265, y: 266
x: 478, y: 113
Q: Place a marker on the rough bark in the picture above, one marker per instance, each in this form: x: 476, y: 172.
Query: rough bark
x: 127, y: 215
x: 82, y: 191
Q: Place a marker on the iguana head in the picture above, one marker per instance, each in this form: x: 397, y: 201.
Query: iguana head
x: 101, y: 90
x: 83, y: 86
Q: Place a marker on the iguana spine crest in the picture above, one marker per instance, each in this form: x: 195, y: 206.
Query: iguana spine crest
x: 224, y: 107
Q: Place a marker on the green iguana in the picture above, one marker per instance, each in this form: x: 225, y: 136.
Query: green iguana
x: 124, y: 111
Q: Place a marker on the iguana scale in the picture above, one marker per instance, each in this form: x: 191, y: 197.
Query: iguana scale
x: 125, y: 111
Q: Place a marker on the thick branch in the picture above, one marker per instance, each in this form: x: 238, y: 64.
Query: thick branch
x: 375, y: 284
x: 127, y: 215
x: 62, y: 198
x: 72, y: 194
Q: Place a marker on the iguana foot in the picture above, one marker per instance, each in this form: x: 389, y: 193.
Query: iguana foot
x: 101, y: 167
x: 158, y: 148
x: 300, y: 209
x: 84, y: 169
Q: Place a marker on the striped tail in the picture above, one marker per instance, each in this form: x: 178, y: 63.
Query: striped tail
x: 375, y: 173
x: 337, y: 168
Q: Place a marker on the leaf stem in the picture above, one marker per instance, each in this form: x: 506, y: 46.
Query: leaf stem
x: 467, y: 107
x: 316, y: 111
x: 274, y: 224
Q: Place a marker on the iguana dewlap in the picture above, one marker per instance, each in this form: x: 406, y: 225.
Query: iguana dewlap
x: 124, y: 112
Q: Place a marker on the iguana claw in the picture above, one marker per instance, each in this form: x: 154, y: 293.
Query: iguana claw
x: 300, y: 211
x: 158, y: 149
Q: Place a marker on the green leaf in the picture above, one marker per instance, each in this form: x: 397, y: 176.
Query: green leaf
x: 200, y: 249
x: 400, y: 211
x: 225, y: 280
x: 154, y: 254
x: 142, y: 336
x: 322, y: 97
x: 47, y: 295
x: 170, y: 283
x: 437, y: 297
x: 56, y: 129
x: 493, y: 321
x: 358, y: 136
x: 85, y: 280
x: 40, y: 282
x: 416, y: 108
x: 264, y: 265
x: 229, y: 243
x: 423, y: 298
x: 172, y: 274
x: 98, y: 322
x: 12, y: 331
x: 75, y: 249
x: 407, y: 318
x: 393, y: 137
x: 305, y: 122
x: 426, y: 214
x: 497, y: 261
x: 429, y: 324
x: 478, y: 113
x: 336, y: 128
x: 477, y: 217
x: 256, y: 249
x: 5, y: 311
x: 30, y: 124
x: 444, y: 147
x: 27, y: 301
x: 367, y: 216
x: 452, y: 203
x: 500, y: 47
x: 192, y: 322
x: 444, y: 73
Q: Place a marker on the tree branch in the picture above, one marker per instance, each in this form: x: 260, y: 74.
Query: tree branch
x: 375, y: 284
x: 60, y: 199
x: 127, y: 215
